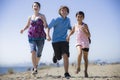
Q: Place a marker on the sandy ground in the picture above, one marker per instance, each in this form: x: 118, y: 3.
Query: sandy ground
x: 96, y: 72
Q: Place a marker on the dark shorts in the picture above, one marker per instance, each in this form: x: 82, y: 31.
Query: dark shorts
x: 60, y: 48
x: 85, y: 49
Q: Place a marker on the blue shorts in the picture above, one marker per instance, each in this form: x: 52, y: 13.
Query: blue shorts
x: 37, y: 46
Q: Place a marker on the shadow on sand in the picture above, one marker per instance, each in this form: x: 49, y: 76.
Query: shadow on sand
x: 80, y: 77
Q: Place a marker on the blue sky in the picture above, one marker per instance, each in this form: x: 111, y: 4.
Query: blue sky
x: 102, y: 17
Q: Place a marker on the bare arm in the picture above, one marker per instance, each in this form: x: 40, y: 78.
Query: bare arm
x: 71, y: 32
x: 48, y: 34
x: 26, y: 27
x: 47, y: 29
x: 45, y: 22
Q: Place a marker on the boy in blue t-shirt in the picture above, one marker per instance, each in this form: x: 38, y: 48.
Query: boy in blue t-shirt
x: 59, y: 38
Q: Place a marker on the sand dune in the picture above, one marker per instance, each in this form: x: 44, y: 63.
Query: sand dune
x: 96, y: 72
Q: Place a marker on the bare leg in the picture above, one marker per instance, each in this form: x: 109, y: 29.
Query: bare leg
x: 66, y: 62
x: 79, y: 59
x: 86, y: 62
x: 34, y: 58
x: 37, y: 61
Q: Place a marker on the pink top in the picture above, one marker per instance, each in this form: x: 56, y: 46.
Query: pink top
x: 82, y: 39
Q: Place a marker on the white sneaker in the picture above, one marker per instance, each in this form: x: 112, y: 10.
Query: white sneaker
x: 34, y: 71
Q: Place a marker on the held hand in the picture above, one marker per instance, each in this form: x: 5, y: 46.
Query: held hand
x: 48, y: 38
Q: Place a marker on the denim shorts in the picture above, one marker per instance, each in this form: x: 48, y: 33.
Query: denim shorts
x: 37, y: 46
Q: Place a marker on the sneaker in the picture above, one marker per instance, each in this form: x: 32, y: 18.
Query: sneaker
x: 34, y: 71
x: 67, y: 75
x: 54, y: 59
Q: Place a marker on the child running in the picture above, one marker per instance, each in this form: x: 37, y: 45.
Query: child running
x: 36, y: 34
x: 59, y: 42
x: 83, y: 40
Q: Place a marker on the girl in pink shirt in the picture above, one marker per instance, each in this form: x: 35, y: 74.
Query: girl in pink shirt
x: 83, y: 41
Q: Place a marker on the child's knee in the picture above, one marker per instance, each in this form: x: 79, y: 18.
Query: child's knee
x: 85, y: 54
x: 65, y: 56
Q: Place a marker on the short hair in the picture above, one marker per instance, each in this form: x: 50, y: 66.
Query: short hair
x: 37, y: 4
x: 63, y: 7
x: 80, y: 13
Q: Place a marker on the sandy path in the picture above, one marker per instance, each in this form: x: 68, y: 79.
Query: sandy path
x: 96, y: 72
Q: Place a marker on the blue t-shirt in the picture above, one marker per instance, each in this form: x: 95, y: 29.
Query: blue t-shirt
x: 61, y: 26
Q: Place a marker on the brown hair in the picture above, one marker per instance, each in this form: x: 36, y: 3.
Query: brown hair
x: 37, y: 4
x: 80, y: 13
x: 63, y: 7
